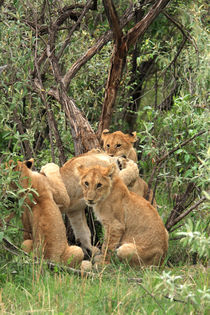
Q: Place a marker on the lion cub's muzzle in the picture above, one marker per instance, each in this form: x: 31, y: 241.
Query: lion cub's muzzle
x: 90, y: 202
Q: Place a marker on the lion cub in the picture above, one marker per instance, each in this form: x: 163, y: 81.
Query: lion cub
x: 42, y: 220
x: 132, y: 225
x: 121, y: 144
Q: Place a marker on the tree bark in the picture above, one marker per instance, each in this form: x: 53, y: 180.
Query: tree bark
x: 82, y: 133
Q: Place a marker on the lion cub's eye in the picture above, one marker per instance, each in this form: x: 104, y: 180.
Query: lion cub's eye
x: 118, y: 145
x: 98, y: 185
x: 108, y: 145
x: 86, y: 184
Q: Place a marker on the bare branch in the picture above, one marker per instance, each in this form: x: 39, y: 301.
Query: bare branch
x: 13, y: 249
x: 86, y: 8
x: 139, y: 29
x: 50, y: 117
x: 118, y: 61
x: 70, y: 74
x: 159, y: 161
x: 103, y: 40
x: 185, y: 32
x: 183, y: 215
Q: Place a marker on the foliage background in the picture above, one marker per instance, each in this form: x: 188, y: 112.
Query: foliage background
x: 163, y: 95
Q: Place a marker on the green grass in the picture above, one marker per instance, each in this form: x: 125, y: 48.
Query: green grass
x: 27, y: 288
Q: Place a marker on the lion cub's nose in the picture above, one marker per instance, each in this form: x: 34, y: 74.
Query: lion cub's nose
x: 90, y: 202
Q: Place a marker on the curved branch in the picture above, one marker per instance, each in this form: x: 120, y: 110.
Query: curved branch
x: 181, y: 28
x: 70, y: 74
x: 184, y: 214
x: 103, y: 40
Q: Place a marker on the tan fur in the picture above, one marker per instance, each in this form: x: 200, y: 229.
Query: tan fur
x: 70, y: 177
x: 132, y: 226
x: 44, y: 220
x: 120, y: 144
x: 57, y: 186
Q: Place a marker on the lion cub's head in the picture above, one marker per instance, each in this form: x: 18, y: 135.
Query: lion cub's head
x: 23, y: 169
x: 96, y: 182
x: 119, y: 143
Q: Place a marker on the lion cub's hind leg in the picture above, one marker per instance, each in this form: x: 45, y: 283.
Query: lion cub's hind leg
x: 72, y: 256
x: 135, y: 255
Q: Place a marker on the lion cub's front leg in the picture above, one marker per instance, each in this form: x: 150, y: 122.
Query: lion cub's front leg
x: 113, y: 235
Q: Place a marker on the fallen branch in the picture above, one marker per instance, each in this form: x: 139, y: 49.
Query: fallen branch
x: 12, y: 248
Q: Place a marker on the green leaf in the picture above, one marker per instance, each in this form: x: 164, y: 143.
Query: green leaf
x: 1, y: 236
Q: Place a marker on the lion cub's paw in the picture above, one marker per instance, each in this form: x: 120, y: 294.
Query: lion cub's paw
x: 122, y: 162
x: 95, y: 251
x: 86, y: 265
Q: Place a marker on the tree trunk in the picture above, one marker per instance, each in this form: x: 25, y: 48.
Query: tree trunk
x: 122, y: 44
x: 83, y: 135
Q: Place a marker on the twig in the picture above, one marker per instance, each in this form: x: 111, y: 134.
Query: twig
x: 12, y: 248
x: 176, y: 238
x: 152, y: 296
x: 176, y: 227
x: 70, y: 270
x: 181, y: 28
x: 181, y: 216
x: 19, y: 229
x: 86, y: 8
x: 138, y: 280
x: 174, y: 300
x: 180, y: 146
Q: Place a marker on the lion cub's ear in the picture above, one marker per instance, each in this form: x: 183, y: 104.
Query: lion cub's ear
x: 29, y: 163
x: 132, y: 137
x: 105, y: 132
x: 81, y: 170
